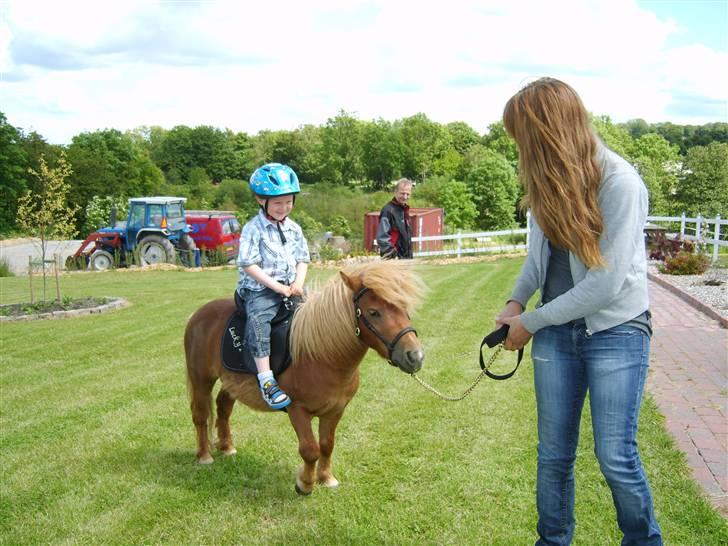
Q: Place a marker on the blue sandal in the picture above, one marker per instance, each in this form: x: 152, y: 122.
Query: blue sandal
x: 273, y: 395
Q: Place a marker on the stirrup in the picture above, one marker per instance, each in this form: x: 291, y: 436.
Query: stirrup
x: 271, y: 391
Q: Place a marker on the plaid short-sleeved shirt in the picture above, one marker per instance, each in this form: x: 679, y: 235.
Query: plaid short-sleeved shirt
x: 260, y: 243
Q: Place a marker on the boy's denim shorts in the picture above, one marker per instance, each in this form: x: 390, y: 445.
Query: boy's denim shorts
x: 261, y: 307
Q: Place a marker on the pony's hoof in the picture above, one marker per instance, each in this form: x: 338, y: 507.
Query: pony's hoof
x: 229, y: 451
x: 302, y: 492
x: 205, y: 459
x: 329, y: 482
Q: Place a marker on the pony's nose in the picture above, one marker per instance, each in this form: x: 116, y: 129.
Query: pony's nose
x: 415, y: 359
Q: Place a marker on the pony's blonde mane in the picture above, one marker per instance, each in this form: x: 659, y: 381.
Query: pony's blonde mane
x: 323, y: 326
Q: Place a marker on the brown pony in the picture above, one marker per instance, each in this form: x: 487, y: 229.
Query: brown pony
x: 365, y: 306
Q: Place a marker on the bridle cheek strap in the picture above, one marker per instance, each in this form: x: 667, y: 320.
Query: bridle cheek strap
x: 389, y: 345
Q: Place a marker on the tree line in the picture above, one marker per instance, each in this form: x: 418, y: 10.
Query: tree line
x: 346, y: 167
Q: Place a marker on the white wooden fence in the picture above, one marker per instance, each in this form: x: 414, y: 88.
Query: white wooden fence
x: 472, y: 243
x: 696, y: 229
x: 704, y: 231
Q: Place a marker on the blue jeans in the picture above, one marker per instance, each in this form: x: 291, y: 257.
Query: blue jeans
x: 261, y: 307
x: 612, y: 366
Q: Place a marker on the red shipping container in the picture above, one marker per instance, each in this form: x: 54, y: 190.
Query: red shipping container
x: 425, y: 222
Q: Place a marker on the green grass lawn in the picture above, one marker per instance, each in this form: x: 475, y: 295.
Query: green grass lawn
x: 97, y: 444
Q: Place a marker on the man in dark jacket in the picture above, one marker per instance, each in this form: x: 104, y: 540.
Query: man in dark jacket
x: 394, y: 234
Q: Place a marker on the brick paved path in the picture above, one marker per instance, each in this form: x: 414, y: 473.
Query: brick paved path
x: 689, y: 381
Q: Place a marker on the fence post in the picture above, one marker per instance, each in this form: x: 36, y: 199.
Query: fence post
x: 716, y: 238
x: 460, y: 243
x: 56, y: 267
x: 699, y: 229
x: 30, y: 277
x: 419, y: 232
x: 682, y: 226
x: 528, y: 229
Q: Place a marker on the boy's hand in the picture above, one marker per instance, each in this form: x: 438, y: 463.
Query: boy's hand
x: 296, y: 289
x: 284, y: 290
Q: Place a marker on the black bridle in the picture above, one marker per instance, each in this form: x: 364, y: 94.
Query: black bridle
x: 360, y: 316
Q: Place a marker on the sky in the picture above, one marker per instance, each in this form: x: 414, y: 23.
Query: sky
x: 68, y: 67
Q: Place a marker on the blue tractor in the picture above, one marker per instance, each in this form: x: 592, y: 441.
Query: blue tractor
x: 155, y: 230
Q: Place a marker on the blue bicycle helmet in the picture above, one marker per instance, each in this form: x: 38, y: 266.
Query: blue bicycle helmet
x: 274, y: 180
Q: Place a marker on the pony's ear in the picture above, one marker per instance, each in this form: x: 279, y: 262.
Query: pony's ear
x: 352, y: 282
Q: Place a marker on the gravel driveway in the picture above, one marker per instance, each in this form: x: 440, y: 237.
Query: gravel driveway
x: 16, y: 252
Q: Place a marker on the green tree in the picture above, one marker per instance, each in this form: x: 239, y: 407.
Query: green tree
x: 703, y: 188
x: 199, y: 189
x: 46, y: 213
x: 614, y: 136
x: 493, y: 184
x: 674, y: 134
x: 299, y: 149
x: 36, y: 146
x: 462, y: 136
x: 231, y: 194
x: 453, y: 197
x: 637, y: 127
x: 658, y: 163
x: 13, y: 165
x: 497, y: 139
x: 244, y: 161
x: 184, y: 148
x: 423, y: 143
x: 341, y: 150
x: 110, y: 163
x: 382, y: 153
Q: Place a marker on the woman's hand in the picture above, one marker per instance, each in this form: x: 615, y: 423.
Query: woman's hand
x: 511, y: 309
x: 518, y: 336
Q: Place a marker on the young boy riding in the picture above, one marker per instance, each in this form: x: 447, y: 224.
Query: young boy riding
x: 273, y: 261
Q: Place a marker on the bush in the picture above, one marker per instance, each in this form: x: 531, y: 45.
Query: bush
x: 686, y: 263
x: 310, y: 226
x: 340, y: 226
x: 5, y: 270
x: 98, y: 211
x: 662, y: 247
x: 210, y: 258
x: 329, y: 253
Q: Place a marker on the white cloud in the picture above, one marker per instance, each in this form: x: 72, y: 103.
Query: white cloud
x: 78, y: 66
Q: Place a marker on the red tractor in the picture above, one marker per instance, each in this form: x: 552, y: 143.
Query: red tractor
x: 154, y: 232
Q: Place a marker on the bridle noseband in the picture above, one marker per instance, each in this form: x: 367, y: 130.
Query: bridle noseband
x: 360, y: 316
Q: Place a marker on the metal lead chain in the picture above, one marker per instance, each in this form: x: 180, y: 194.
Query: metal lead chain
x: 468, y: 390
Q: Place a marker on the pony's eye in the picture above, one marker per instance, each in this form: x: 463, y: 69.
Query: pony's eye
x: 374, y: 313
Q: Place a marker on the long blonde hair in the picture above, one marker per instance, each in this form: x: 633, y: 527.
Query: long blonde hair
x: 558, y: 165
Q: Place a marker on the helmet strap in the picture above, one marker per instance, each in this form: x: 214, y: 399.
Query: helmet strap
x: 277, y: 222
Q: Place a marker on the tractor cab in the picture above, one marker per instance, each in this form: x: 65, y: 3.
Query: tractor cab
x: 163, y: 215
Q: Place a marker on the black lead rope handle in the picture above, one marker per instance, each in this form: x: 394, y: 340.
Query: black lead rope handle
x: 491, y: 340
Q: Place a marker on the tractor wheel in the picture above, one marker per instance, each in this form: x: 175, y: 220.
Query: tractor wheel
x: 154, y: 249
x: 101, y: 260
x: 187, y: 248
